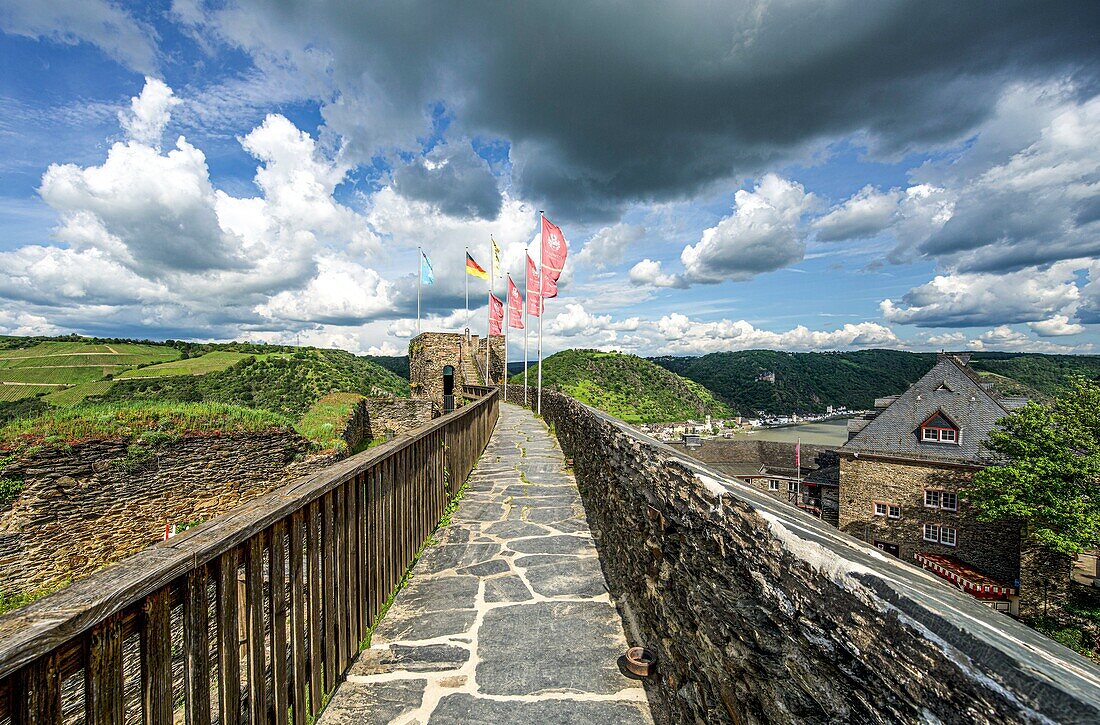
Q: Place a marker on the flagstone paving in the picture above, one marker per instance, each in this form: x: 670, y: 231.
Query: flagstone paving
x: 507, y: 619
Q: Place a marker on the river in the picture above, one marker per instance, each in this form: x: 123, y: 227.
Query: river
x: 824, y: 433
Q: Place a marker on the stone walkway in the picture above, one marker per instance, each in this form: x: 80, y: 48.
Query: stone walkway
x: 507, y: 619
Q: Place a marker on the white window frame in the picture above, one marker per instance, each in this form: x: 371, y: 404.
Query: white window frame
x: 934, y: 495
x: 955, y: 501
x: 934, y: 530
x: 948, y: 539
x: 792, y: 486
x: 933, y: 434
x: 773, y: 484
x: 893, y: 511
x: 884, y: 510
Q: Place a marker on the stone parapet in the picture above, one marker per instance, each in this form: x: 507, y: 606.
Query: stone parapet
x: 759, y: 613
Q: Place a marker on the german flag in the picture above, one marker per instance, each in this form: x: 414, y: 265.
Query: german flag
x: 474, y: 268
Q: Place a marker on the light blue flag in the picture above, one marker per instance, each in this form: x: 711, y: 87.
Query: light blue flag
x: 426, y: 274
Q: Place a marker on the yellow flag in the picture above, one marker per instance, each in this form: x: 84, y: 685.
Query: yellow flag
x: 496, y: 257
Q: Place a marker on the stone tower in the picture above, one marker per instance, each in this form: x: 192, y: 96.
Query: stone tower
x: 441, y: 364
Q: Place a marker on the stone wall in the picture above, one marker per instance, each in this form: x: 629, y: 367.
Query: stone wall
x: 773, y: 454
x: 496, y: 357
x: 429, y: 353
x: 98, y: 502
x: 758, y: 613
x: 397, y: 415
x: 993, y: 548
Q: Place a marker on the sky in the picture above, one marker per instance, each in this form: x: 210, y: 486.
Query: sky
x: 730, y: 175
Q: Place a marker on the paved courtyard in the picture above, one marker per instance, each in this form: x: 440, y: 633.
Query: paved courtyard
x: 507, y: 619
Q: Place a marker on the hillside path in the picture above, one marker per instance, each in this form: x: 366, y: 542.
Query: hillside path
x: 507, y: 619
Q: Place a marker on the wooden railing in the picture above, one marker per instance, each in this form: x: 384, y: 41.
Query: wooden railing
x: 471, y: 392
x: 252, y: 617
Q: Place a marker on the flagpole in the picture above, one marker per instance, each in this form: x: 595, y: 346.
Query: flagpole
x: 419, y: 279
x: 542, y: 310
x: 466, y: 276
x: 526, y: 304
x: 489, y: 321
x: 507, y: 314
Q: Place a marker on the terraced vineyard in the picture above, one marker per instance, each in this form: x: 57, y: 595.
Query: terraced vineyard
x: 56, y: 367
x: 211, y: 362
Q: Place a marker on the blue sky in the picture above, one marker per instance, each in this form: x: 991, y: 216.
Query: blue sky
x: 768, y: 175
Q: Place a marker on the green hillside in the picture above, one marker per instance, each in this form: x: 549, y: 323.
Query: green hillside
x: 73, y: 379
x: 809, y: 382
x: 396, y: 364
x: 628, y: 387
x: 289, y: 384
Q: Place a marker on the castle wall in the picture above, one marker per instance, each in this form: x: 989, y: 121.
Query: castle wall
x: 397, y: 415
x: 758, y: 613
x: 92, y: 504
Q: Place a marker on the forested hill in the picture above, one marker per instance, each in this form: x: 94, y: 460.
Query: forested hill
x: 808, y: 382
x: 626, y: 386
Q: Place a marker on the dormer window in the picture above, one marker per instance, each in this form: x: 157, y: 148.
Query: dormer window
x: 939, y: 429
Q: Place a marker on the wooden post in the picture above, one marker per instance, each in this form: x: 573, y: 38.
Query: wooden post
x: 229, y: 639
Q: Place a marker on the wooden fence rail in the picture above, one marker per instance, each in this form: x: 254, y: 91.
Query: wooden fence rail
x: 252, y: 617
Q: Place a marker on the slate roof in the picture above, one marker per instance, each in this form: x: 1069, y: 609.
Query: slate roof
x: 950, y: 388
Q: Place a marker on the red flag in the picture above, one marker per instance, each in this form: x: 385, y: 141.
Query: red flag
x: 554, y: 251
x: 515, y: 305
x: 798, y: 457
x: 496, y: 315
x: 534, y: 302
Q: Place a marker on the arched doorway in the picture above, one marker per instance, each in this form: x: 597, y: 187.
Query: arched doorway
x: 448, y: 388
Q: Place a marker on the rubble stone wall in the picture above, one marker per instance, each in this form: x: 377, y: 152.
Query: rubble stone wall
x: 397, y: 415
x: 97, y: 502
x: 758, y: 613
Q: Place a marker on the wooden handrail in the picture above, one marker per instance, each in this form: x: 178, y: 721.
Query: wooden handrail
x: 322, y: 553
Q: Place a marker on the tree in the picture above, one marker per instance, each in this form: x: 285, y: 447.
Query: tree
x: 1047, y: 471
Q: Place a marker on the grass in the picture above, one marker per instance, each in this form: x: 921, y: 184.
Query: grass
x: 9, y: 490
x: 209, y: 363
x: 325, y: 421
x: 77, y: 393
x: 52, y: 375
x: 11, y: 393
x: 122, y: 421
x: 10, y: 602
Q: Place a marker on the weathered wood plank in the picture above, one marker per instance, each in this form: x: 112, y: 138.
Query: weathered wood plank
x: 37, y: 696
x: 156, y: 659
x: 340, y: 580
x: 316, y: 657
x: 196, y: 648
x: 229, y: 638
x: 103, y: 674
x: 277, y: 591
x: 298, y: 606
x: 254, y: 597
x: 328, y: 592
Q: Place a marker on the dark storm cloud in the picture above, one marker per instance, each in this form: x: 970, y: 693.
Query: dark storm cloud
x: 612, y: 102
x: 454, y: 179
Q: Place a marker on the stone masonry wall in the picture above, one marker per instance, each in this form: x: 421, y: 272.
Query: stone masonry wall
x: 397, y: 415
x: 758, y: 613
x: 993, y: 548
x: 91, y: 505
x: 774, y: 454
x: 429, y: 353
